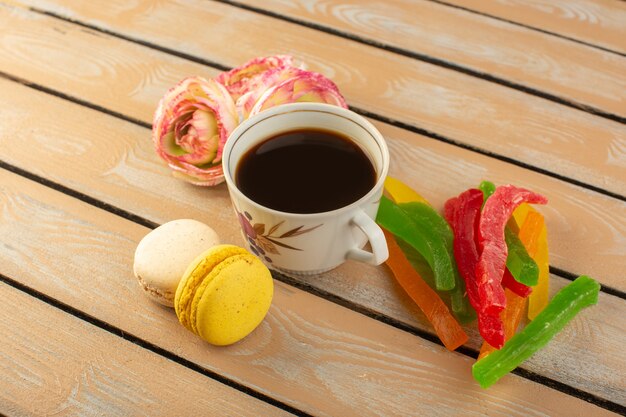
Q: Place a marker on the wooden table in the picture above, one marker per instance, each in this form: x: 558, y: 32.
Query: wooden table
x: 525, y: 92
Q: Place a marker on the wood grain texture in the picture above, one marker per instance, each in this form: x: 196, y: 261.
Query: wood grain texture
x: 467, y: 109
x: 316, y: 355
x: 52, y: 363
x: 68, y: 151
x: 598, y: 22
x: 487, y: 46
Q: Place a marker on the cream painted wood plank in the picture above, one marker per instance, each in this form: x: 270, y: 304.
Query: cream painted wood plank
x: 313, y: 354
x: 65, y: 149
x: 107, y: 157
x: 565, y: 69
x: 53, y: 363
x: 482, y: 114
x: 598, y: 22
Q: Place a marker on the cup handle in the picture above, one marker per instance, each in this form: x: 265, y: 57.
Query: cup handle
x: 375, y: 236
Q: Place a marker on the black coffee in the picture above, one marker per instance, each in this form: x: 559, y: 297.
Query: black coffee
x: 305, y: 171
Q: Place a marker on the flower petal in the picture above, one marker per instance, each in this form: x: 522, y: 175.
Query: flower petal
x: 306, y: 86
x: 260, y: 84
x: 238, y: 79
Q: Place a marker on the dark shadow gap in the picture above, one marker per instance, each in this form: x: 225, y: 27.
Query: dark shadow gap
x: 169, y: 51
x: 75, y: 100
x: 481, y: 151
x: 148, y: 345
x: 571, y: 276
x: 79, y: 196
x: 533, y: 28
x: 429, y: 59
x: 467, y: 351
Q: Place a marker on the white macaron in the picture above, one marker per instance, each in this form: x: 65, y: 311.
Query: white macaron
x: 163, y: 255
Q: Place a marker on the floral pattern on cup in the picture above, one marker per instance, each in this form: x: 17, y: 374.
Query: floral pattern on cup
x: 264, y: 242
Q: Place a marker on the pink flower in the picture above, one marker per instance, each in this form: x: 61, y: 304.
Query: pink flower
x: 237, y: 81
x: 259, y: 85
x: 267, y: 82
x: 191, y: 125
x: 290, y: 85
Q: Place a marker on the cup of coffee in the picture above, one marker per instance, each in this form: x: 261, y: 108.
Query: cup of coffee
x: 305, y: 180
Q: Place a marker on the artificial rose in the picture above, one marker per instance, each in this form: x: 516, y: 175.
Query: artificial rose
x: 267, y: 82
x: 259, y: 85
x: 290, y: 85
x: 191, y: 125
x: 238, y: 80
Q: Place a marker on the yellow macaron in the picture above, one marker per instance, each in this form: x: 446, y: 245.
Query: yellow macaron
x: 224, y: 294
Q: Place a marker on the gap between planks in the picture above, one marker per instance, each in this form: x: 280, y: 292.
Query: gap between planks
x: 569, y: 32
x: 119, y: 378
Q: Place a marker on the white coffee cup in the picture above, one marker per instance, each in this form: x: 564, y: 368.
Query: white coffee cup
x: 312, y: 243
